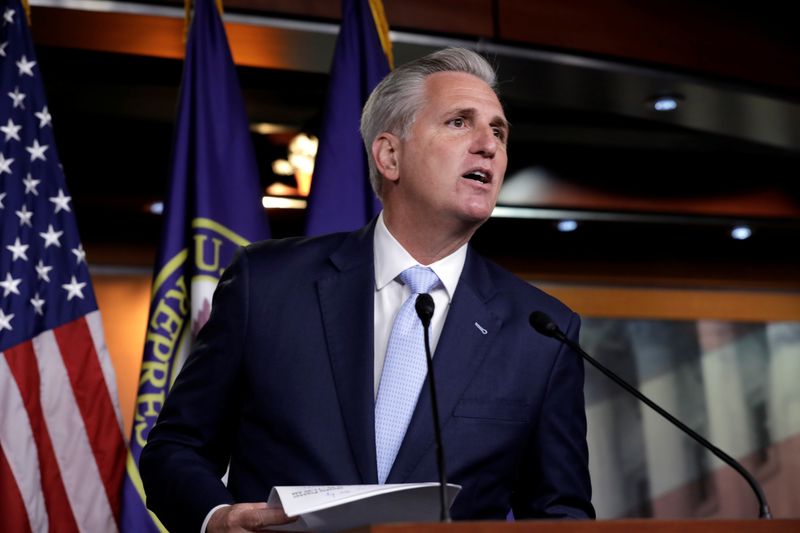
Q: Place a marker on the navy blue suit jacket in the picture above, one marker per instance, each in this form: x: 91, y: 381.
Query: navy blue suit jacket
x: 280, y: 383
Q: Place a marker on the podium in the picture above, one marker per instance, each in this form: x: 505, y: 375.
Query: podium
x: 594, y: 526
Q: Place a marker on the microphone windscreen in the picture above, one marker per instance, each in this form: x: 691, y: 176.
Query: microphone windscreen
x: 424, y: 306
x: 542, y: 323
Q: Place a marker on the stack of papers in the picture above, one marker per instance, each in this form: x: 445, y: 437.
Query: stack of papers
x: 328, y: 509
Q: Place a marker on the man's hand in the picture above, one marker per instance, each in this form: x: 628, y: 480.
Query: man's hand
x: 242, y: 517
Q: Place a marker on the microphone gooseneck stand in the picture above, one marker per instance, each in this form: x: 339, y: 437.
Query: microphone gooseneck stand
x: 424, y: 306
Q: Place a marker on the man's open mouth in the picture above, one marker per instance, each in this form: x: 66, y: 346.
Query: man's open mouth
x: 481, y: 176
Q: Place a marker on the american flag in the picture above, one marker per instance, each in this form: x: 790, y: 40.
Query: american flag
x: 61, y: 446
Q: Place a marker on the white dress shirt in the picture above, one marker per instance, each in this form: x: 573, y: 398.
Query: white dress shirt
x: 390, y: 260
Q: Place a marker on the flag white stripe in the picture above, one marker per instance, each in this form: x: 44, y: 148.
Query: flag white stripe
x: 76, y: 461
x: 95, y: 323
x: 19, y: 448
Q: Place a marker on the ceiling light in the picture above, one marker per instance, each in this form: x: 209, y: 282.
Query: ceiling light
x: 567, y: 225
x: 282, y: 167
x: 741, y: 233
x: 666, y: 102
x: 266, y: 128
x: 157, y: 208
x: 274, y: 202
x: 303, y: 144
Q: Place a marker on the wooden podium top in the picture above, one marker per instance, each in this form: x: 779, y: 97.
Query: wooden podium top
x: 598, y: 526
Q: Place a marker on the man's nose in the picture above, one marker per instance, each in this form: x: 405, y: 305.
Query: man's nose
x: 485, y: 142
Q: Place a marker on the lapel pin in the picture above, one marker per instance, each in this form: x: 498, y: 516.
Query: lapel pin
x: 481, y: 328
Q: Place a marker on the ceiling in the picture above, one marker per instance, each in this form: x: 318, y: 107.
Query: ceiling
x: 585, y: 144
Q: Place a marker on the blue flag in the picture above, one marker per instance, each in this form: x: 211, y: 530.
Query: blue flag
x: 213, y: 207
x: 341, y: 197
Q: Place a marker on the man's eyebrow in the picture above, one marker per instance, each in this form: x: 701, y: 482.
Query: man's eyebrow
x: 500, y: 122
x: 462, y: 111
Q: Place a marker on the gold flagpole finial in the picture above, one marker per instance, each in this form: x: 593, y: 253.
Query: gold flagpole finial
x: 187, y: 16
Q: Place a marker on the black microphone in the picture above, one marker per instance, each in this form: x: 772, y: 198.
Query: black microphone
x: 424, y: 306
x: 542, y: 323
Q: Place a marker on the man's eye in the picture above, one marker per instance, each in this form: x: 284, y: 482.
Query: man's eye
x: 499, y: 133
x: 457, y: 122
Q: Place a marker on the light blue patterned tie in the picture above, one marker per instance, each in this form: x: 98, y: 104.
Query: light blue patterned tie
x: 404, y: 371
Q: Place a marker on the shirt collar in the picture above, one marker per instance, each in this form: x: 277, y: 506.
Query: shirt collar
x: 391, y: 259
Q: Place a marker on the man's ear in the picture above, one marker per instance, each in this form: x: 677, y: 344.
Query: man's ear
x: 385, y: 152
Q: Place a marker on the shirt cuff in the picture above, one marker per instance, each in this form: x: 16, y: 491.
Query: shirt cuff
x: 208, y: 516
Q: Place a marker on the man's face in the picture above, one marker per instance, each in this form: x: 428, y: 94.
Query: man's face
x: 452, y: 162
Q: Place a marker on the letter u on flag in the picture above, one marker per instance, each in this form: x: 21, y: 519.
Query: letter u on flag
x: 341, y: 197
x: 213, y: 207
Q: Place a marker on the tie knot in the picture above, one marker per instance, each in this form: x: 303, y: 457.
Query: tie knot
x: 419, y: 279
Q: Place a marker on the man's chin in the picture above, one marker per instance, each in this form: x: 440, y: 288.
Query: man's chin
x: 478, y: 212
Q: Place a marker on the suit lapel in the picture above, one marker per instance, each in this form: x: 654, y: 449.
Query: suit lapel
x: 462, y: 348
x: 347, y: 305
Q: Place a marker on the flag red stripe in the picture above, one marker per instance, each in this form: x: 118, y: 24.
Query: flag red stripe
x: 12, y: 508
x: 22, y: 362
x: 97, y: 410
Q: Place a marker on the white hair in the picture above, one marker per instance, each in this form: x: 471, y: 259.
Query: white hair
x: 394, y: 103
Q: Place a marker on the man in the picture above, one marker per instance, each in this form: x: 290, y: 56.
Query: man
x: 294, y: 380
